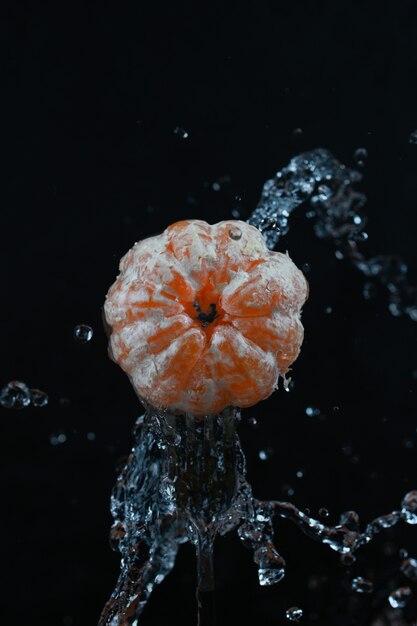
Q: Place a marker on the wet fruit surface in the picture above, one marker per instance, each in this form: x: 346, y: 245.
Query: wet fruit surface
x: 203, y: 317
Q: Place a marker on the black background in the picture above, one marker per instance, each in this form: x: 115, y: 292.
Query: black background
x: 91, y: 97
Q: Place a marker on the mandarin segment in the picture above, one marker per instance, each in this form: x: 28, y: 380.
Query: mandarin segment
x: 203, y: 316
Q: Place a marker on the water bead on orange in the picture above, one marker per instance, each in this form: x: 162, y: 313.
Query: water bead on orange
x: 205, y: 316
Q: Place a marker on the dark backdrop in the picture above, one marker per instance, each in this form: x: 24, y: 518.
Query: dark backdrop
x: 91, y: 97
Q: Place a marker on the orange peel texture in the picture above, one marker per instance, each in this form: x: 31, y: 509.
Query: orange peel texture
x: 205, y: 316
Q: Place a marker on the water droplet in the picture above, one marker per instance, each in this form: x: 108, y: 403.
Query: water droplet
x: 15, y: 395
x: 38, y: 398
x: 287, y: 490
x: 294, y: 614
x: 358, y: 237
x: 252, y: 421
x: 328, y: 310
x: 399, y: 598
x: 299, y: 474
x: 236, y: 214
x: 289, y: 384
x: 409, y: 568
x: 235, y: 233
x: 58, y: 438
x: 347, y: 449
x: 306, y: 268
x: 238, y: 198
x: 181, y: 132
x: 83, y: 333
x: 362, y: 585
x: 266, y: 454
x: 360, y: 155
x: 312, y: 411
x: 271, y: 565
x: 369, y: 291
x: 403, y: 553
x: 216, y: 186
x: 324, y: 192
x: 413, y: 137
x: 323, y: 512
x: 409, y: 507
x: 297, y: 132
x: 339, y: 255
x: 91, y: 436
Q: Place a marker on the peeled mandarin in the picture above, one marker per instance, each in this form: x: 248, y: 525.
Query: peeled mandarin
x: 205, y: 316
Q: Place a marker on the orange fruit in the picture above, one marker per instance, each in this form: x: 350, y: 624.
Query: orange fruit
x: 203, y: 317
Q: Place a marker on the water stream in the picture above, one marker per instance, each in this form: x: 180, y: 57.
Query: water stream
x: 185, y: 479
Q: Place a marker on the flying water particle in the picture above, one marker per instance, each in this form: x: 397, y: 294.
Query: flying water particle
x: 235, y: 233
x: 403, y: 553
x: 216, y: 186
x: 294, y: 614
x: 323, y: 512
x: 306, y: 268
x: 181, y: 132
x: 289, y: 385
x: 299, y: 474
x: 15, y: 395
x: 265, y: 454
x: 91, y: 436
x: 328, y: 310
x: 312, y: 411
x: 38, y: 398
x: 409, y: 508
x: 399, y: 598
x: 362, y: 585
x: 236, y: 214
x: 369, y: 291
x: 253, y: 422
x: 413, y: 137
x: 297, y: 132
x: 360, y: 155
x: 409, y: 568
x: 83, y: 333
x: 58, y: 438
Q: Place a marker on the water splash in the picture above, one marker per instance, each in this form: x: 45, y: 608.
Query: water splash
x: 326, y: 187
x: 185, y: 481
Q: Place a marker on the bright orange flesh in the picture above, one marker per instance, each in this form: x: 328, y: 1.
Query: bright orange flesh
x: 203, y: 316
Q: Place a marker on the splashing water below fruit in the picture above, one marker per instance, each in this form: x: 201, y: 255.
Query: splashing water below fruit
x: 185, y: 479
